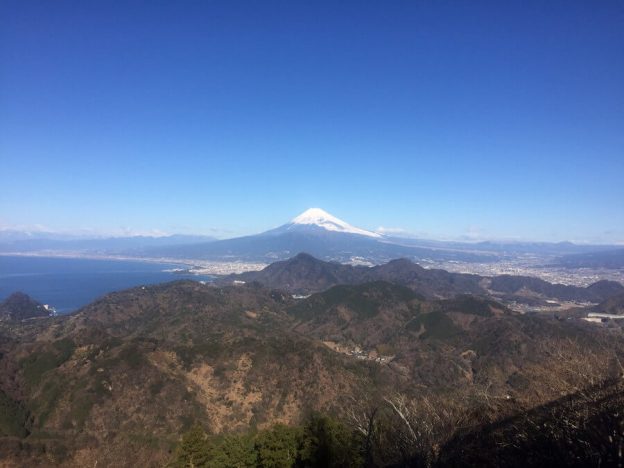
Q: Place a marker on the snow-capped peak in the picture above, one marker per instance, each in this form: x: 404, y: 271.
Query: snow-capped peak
x: 321, y: 218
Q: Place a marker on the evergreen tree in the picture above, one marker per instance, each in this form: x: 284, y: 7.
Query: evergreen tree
x: 235, y: 451
x: 328, y: 443
x: 278, y: 447
x: 193, y: 450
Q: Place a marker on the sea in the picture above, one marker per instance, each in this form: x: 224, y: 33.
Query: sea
x: 70, y: 283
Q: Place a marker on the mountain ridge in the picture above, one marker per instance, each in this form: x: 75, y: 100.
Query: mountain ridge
x: 117, y: 381
x: 20, y: 306
x: 305, y: 274
x: 319, y: 233
x: 315, y: 231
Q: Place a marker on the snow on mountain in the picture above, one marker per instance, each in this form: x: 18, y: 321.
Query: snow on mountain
x: 322, y: 219
x: 314, y: 232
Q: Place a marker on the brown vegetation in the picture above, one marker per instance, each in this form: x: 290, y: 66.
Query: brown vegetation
x: 118, y: 382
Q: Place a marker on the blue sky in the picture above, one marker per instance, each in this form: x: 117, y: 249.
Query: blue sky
x: 445, y: 119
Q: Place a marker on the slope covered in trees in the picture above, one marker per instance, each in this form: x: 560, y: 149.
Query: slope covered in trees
x: 304, y: 274
x: 118, y: 382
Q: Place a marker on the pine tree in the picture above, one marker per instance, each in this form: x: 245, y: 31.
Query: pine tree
x: 278, y: 447
x: 193, y: 450
x: 235, y: 451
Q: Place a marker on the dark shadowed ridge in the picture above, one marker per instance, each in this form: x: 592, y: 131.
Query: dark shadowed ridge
x: 613, y: 305
x: 304, y: 274
x: 564, y: 432
x: 596, y: 292
x: 20, y: 306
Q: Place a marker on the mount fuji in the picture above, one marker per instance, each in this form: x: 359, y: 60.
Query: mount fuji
x: 317, y: 233
x: 316, y: 220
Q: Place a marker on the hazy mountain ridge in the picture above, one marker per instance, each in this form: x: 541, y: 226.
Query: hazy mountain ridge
x: 519, y: 285
x: 613, y: 258
x: 118, y: 245
x: 325, y: 236
x: 314, y: 231
x: 339, y: 246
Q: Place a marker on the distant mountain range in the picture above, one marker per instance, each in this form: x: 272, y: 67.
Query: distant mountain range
x: 13, y: 241
x: 323, y: 235
x: 314, y: 231
x: 611, y: 259
x: 319, y: 233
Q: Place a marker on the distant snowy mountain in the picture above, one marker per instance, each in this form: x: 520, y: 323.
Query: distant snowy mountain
x: 315, y: 232
x: 318, y: 218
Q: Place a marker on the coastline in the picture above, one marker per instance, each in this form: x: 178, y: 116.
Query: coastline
x: 195, y: 267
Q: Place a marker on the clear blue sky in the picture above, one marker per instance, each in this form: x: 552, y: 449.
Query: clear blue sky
x: 487, y: 119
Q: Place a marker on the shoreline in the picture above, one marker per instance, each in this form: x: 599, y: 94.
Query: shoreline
x: 194, y: 267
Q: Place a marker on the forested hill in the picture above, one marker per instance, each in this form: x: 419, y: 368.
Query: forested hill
x: 118, y: 382
x: 304, y: 274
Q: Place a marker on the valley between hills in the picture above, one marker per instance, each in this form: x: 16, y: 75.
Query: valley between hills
x: 404, y: 366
